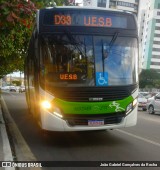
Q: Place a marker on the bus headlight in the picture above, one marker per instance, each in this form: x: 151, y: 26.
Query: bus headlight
x: 55, y: 110
x: 46, y: 104
x: 131, y: 106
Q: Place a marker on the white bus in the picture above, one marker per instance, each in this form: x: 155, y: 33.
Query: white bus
x: 81, y: 70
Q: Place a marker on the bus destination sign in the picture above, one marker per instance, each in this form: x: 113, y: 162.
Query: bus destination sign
x: 90, y: 21
x: 65, y: 18
x: 67, y: 76
x: 87, y: 21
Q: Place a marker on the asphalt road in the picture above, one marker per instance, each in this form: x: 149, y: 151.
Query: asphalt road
x: 138, y: 143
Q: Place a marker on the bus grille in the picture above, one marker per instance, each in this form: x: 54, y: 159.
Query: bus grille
x: 89, y: 94
x: 83, y: 120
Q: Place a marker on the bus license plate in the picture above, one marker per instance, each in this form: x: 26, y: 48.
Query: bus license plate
x: 95, y: 122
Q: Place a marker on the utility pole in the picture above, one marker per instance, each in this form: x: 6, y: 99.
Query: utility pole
x: 20, y: 78
x: 10, y: 80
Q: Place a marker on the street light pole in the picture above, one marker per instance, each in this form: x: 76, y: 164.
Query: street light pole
x: 10, y: 80
x: 20, y: 78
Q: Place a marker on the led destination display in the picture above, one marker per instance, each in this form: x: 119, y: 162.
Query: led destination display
x: 74, y: 18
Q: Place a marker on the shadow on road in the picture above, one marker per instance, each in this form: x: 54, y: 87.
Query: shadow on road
x: 80, y: 139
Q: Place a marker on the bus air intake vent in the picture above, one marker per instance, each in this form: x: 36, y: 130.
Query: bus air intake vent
x: 83, y: 120
x: 93, y: 94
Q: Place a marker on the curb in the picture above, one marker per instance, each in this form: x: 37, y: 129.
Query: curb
x: 20, y: 148
x: 5, y: 147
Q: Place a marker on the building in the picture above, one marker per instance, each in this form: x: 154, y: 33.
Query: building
x: 127, y: 5
x: 96, y: 3
x: 142, y: 31
x: 150, y: 35
x: 75, y: 2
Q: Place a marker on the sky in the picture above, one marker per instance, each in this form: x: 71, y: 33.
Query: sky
x: 16, y: 74
x: 79, y: 1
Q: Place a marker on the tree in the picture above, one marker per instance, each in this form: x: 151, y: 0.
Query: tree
x: 47, y: 3
x: 149, y: 78
x: 16, y: 20
x: 16, y: 82
x: 16, y: 24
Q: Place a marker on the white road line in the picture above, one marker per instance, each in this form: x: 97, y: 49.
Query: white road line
x: 150, y: 119
x: 139, y: 137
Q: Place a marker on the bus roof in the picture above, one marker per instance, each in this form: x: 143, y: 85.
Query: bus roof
x: 85, y: 8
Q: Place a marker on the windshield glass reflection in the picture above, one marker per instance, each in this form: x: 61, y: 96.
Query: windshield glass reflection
x: 81, y: 60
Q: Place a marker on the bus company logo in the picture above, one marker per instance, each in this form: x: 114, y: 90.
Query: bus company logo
x: 6, y: 164
x: 95, y: 99
x: 96, y: 108
x: 82, y: 108
x: 117, y: 107
x: 100, y: 108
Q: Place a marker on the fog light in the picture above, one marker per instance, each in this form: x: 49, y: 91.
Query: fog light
x: 46, y: 104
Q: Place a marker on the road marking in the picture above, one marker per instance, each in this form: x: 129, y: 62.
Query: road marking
x: 139, y: 137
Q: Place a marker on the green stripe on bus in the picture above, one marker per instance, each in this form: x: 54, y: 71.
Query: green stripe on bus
x: 93, y: 107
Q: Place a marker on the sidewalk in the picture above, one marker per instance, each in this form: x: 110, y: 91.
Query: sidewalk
x: 20, y: 151
x: 5, y: 148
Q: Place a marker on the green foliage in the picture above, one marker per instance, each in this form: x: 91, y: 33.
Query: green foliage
x: 16, y: 20
x: 149, y: 79
x: 16, y: 24
x: 49, y: 3
x: 16, y: 82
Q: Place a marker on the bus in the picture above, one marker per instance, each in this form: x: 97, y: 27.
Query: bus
x: 81, y: 69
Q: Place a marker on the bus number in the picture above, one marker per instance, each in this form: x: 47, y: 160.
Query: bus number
x: 62, y: 20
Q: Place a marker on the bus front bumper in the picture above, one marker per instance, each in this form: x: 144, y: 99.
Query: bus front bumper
x: 51, y: 122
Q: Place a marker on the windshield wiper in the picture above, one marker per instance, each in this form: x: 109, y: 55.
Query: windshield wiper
x: 110, y: 45
x: 106, y: 54
x: 72, y: 39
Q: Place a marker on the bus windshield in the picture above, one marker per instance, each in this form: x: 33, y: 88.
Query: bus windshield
x: 68, y: 60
